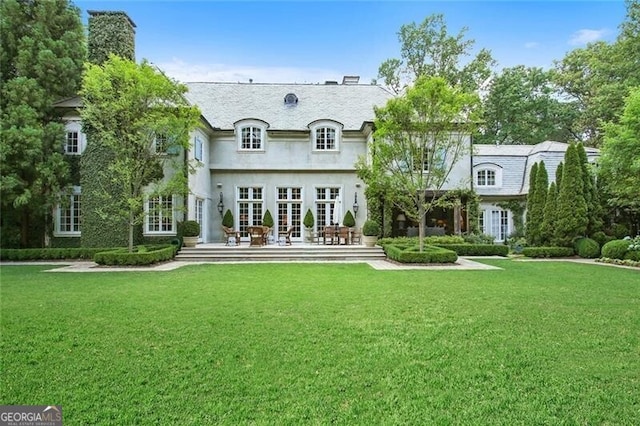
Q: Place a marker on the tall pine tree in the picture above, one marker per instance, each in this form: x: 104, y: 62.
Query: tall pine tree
x: 572, y: 208
x: 42, y: 50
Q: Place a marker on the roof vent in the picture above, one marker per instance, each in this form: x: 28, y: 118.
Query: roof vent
x: 330, y: 82
x: 291, y: 99
x: 350, y: 79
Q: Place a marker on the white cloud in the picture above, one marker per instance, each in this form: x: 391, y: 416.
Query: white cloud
x: 188, y: 72
x: 531, y: 45
x: 586, y: 36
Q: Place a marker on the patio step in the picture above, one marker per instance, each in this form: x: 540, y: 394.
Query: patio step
x: 221, y: 253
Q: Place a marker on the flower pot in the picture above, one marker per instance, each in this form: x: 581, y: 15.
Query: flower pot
x: 190, y: 241
x: 369, y: 241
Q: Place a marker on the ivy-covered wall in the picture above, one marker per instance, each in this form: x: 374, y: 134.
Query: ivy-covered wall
x: 109, y: 32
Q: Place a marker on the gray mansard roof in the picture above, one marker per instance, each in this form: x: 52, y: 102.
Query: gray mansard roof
x: 223, y: 104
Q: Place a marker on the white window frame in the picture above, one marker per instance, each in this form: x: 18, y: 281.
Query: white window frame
x: 499, y: 229
x: 74, y: 126
x: 74, y: 214
x: 497, y: 172
x: 161, y: 214
x: 198, y: 149
x: 253, y: 125
x: 199, y: 216
x: 322, y: 125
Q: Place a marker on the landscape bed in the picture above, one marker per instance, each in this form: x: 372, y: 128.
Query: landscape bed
x: 533, y: 343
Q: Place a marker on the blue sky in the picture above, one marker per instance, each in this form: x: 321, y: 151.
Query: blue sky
x: 314, y: 41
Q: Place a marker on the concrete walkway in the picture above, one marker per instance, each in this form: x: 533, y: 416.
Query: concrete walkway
x: 381, y: 265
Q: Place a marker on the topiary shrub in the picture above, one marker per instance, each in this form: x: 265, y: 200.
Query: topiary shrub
x: 227, y: 220
x: 371, y: 228
x: 267, y: 219
x: 190, y: 228
x: 615, y: 249
x: 349, y: 221
x: 308, y: 219
x: 587, y: 248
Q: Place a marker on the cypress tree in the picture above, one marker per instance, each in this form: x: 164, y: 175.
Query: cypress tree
x: 559, y: 176
x: 538, y: 203
x: 594, y: 210
x: 572, y: 208
x: 530, y: 197
x: 547, y: 228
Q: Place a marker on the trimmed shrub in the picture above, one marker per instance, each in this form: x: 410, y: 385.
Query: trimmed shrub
x: 602, y: 238
x: 477, y: 249
x: 144, y: 255
x: 615, y: 249
x: 371, y: 228
x: 349, y: 221
x: 444, y: 239
x: 587, y: 248
x: 308, y: 219
x: 190, y: 228
x: 545, y: 252
x: 430, y: 254
x: 477, y: 239
x: 50, y: 253
x: 267, y: 219
x: 632, y: 255
x: 227, y: 220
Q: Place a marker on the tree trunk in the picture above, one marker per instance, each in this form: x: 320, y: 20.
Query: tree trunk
x: 131, y: 226
x: 421, y: 224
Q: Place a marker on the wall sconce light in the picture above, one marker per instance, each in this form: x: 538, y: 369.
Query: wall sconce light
x: 220, y: 205
x: 355, y: 205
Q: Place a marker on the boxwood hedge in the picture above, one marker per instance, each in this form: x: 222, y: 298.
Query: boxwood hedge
x: 547, y: 251
x: 50, y: 253
x: 411, y: 254
x: 143, y: 255
x: 477, y: 249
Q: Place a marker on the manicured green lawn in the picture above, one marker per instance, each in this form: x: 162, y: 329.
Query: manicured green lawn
x: 535, y: 343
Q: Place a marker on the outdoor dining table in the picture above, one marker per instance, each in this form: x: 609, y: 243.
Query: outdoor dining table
x: 336, y: 235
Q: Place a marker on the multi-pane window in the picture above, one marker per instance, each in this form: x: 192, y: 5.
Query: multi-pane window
x: 162, y: 143
x: 325, y: 203
x: 495, y: 223
x: 250, y: 213
x: 251, y: 138
x: 72, y: 144
x: 325, y: 138
x: 160, y: 214
x: 289, y: 208
x: 69, y: 215
x: 486, y: 177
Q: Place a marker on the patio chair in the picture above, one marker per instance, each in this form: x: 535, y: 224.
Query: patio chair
x: 356, y: 236
x: 230, y: 233
x: 286, y: 235
x: 256, y: 236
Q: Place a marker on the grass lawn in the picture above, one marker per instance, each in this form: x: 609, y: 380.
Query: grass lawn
x: 535, y: 343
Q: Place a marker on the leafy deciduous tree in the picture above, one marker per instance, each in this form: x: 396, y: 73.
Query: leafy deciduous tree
x: 419, y: 137
x: 129, y: 109
x: 427, y: 49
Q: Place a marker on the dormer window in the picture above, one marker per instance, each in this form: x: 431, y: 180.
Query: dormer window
x: 325, y: 135
x: 291, y: 99
x: 251, y: 135
x: 488, y: 176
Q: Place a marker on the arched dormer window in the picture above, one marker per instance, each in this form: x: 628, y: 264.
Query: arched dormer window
x: 251, y: 134
x: 325, y: 135
x: 488, y: 175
